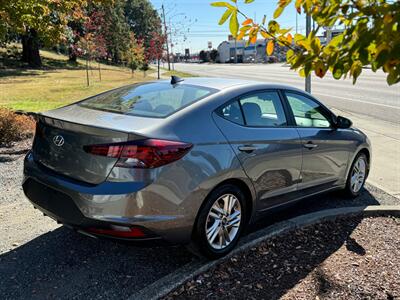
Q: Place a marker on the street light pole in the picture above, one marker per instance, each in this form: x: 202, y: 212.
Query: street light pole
x: 308, y: 31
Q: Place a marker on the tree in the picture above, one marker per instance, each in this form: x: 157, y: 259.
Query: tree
x: 135, y: 53
x: 144, y: 67
x: 38, y: 22
x: 214, y: 55
x: 92, y: 44
x: 156, y: 49
x: 370, y: 36
x: 116, y: 30
x: 203, y: 56
x: 142, y: 19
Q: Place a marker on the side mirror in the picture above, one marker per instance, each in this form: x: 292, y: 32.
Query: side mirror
x: 342, y: 122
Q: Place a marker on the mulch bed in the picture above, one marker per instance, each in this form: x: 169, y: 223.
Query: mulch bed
x: 349, y: 258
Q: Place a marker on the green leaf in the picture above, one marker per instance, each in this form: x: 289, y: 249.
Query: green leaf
x: 355, y: 70
x: 234, y: 23
x: 289, y: 54
x: 278, y: 12
x: 392, y: 78
x: 273, y: 26
x: 316, y: 44
x: 298, y: 37
x: 248, y: 1
x: 264, y: 19
x: 222, y: 4
x: 337, y: 72
x: 225, y: 16
x: 284, y: 31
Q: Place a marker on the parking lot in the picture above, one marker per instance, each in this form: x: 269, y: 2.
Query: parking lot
x: 40, y: 259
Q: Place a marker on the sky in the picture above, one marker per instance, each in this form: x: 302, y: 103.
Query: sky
x: 199, y: 21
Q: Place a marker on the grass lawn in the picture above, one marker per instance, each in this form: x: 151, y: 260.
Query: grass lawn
x: 58, y: 83
x: 177, y: 73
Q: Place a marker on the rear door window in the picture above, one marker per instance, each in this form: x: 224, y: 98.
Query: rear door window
x: 159, y: 99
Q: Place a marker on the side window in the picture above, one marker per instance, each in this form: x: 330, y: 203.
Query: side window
x: 263, y: 109
x: 232, y: 113
x: 307, y: 112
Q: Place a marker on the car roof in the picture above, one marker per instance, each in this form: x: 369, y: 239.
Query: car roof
x: 225, y: 83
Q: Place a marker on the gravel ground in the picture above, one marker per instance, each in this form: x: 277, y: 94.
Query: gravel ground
x: 348, y: 258
x: 39, y: 259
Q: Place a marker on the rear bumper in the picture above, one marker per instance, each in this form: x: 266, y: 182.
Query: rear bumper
x: 83, y: 206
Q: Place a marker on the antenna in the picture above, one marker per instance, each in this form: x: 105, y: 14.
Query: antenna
x: 175, y: 79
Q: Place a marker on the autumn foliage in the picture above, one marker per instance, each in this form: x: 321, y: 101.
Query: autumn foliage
x: 14, y: 127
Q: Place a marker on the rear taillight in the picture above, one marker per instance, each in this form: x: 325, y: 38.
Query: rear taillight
x: 150, y: 153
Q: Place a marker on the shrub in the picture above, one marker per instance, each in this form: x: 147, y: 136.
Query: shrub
x: 14, y: 127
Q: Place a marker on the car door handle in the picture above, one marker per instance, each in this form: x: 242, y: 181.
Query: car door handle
x: 247, y: 148
x: 310, y: 145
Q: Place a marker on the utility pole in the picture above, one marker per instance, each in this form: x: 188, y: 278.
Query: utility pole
x: 328, y: 32
x: 166, y: 37
x: 235, y: 51
x: 308, y: 31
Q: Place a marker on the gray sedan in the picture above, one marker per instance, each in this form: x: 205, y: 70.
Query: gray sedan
x: 189, y: 161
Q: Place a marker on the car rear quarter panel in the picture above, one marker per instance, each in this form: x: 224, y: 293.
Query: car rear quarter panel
x: 176, y: 191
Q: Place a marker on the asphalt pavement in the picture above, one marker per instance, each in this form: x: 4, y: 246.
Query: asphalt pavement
x: 40, y: 259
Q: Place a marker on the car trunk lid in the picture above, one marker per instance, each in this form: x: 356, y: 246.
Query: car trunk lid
x: 59, y: 146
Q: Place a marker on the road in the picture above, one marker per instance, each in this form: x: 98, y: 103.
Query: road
x: 370, y: 96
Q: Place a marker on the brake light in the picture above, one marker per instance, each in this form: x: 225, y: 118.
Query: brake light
x: 149, y: 153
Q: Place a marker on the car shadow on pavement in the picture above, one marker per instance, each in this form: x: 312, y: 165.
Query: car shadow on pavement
x: 313, y: 204
x: 65, y: 264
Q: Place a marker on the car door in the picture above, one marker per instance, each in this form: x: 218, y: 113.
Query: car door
x: 270, y: 152
x: 325, y: 148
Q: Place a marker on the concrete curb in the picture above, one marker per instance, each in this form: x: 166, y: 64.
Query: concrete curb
x: 168, y: 283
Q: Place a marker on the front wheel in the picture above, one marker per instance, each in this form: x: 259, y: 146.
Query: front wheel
x: 357, y: 175
x: 220, y: 222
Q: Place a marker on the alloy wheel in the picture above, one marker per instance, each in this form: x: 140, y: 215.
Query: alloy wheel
x: 223, y: 221
x: 358, y: 175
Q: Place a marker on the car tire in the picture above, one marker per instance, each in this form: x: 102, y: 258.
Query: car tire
x: 208, y: 220
x: 357, y: 175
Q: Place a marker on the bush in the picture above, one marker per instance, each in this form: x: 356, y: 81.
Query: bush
x: 14, y: 127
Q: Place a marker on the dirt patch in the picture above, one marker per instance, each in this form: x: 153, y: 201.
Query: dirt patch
x: 350, y: 258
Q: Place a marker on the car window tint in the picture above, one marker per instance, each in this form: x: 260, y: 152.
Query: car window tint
x: 263, y: 109
x: 149, y: 99
x: 232, y: 113
x: 307, y: 112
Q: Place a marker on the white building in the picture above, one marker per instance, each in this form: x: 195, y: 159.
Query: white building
x: 226, y: 51
x: 253, y: 52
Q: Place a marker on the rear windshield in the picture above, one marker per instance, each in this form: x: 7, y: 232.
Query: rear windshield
x: 159, y: 99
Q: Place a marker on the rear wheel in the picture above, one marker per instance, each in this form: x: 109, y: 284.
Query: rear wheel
x: 220, y: 222
x: 357, y: 175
